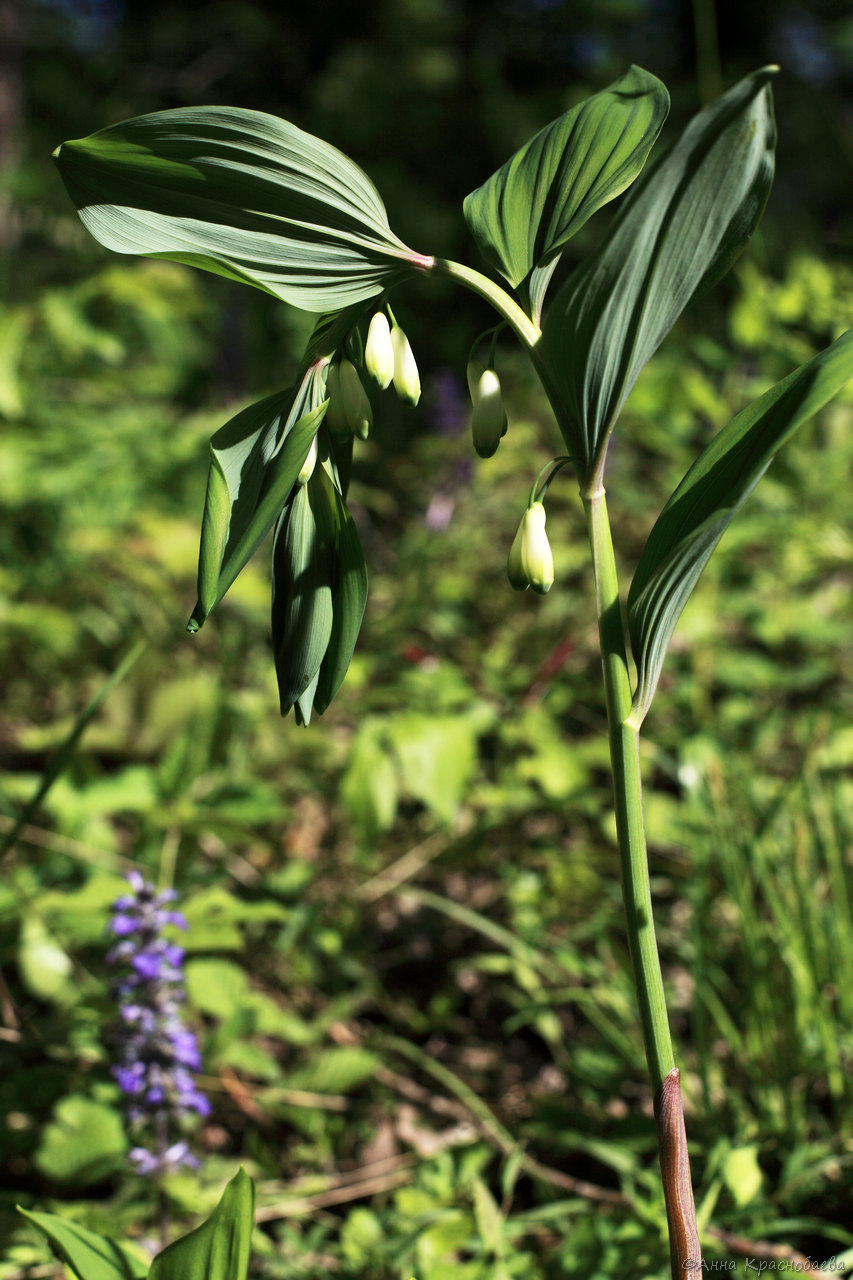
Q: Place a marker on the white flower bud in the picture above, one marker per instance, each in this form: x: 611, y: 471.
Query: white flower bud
x: 407, y: 381
x: 359, y: 414
x: 379, y: 351
x: 530, y: 560
x: 308, y: 465
x: 488, y: 421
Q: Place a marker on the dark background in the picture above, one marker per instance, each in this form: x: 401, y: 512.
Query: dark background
x: 429, y: 96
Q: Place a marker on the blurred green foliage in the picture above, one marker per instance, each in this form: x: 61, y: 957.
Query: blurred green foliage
x: 407, y: 961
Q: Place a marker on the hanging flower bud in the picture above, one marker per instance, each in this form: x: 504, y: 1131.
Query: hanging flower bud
x: 407, y: 381
x: 530, y: 561
x: 359, y: 414
x: 488, y: 421
x: 379, y: 351
x: 336, y: 418
x: 309, y: 464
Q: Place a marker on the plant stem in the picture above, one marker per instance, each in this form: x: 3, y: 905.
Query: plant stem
x: 503, y: 302
x: 524, y: 328
x: 628, y: 796
x: 685, y: 1252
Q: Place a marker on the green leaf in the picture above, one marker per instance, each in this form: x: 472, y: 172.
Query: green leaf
x: 524, y: 214
x: 319, y: 594
x: 302, y: 583
x: 349, y: 599
x: 336, y: 1070
x: 437, y: 757
x: 242, y: 194
x: 254, y: 461
x: 83, y: 1143
x: 489, y: 1219
x: 742, y: 1174
x: 370, y: 786
x: 220, y: 1249
x: 698, y: 513
x: 90, y: 1256
x: 44, y: 966
x: 216, y: 987
x: 679, y: 230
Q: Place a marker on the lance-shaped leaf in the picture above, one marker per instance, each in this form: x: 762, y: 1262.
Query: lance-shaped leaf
x: 89, y: 1256
x: 319, y: 594
x: 220, y: 1249
x: 254, y: 461
x: 302, y: 594
x: 697, y: 515
x: 524, y: 214
x: 349, y: 599
x: 242, y: 194
x: 682, y: 225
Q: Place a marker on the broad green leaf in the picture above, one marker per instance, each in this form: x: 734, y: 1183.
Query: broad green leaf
x: 90, y: 1256
x: 698, y: 513
x: 216, y: 987
x: 524, y: 214
x: 361, y: 1236
x: 220, y: 1249
x: 680, y: 228
x: 44, y: 966
x: 254, y: 461
x: 437, y: 757
x: 742, y: 1174
x: 242, y: 194
x: 370, y: 786
x: 83, y: 1143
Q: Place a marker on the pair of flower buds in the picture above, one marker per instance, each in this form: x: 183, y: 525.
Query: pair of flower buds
x: 387, y: 357
x: 530, y: 562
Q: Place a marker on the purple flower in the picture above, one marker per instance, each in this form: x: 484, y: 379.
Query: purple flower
x: 156, y: 1053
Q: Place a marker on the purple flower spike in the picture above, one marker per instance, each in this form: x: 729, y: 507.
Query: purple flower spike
x: 157, y: 1054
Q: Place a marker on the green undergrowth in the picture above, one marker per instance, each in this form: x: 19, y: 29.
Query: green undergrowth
x: 406, y: 954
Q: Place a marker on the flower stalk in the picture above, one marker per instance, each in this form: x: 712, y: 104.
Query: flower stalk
x: 156, y: 1055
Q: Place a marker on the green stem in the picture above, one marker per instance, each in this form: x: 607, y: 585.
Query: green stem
x: 628, y: 796
x: 505, y: 305
x: 624, y: 739
x: 685, y: 1250
x: 525, y: 329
